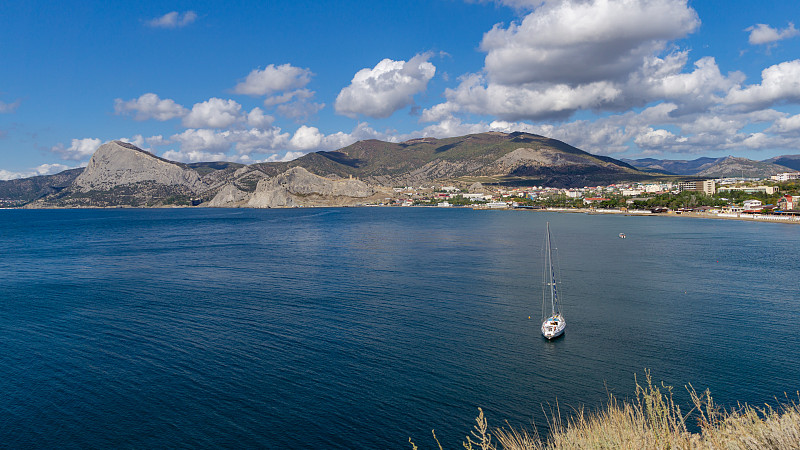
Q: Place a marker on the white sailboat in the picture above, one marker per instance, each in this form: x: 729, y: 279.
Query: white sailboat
x: 553, y: 326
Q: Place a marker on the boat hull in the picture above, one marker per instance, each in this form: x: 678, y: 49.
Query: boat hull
x: 553, y: 336
x: 553, y: 327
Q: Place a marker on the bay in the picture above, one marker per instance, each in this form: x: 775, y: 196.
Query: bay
x: 360, y: 328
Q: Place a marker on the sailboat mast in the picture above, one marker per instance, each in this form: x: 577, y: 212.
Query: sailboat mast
x: 552, y: 280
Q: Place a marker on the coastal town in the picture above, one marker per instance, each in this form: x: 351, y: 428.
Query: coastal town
x: 774, y: 198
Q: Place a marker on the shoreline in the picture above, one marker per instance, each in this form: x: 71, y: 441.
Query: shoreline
x: 767, y: 218
x: 764, y: 218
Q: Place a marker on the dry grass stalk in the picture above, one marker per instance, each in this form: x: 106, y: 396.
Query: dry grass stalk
x: 653, y: 421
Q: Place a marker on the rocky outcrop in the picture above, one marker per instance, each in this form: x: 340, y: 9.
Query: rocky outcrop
x: 269, y: 196
x: 540, y: 157
x: 229, y: 196
x: 475, y: 188
x: 299, y: 187
x: 118, y: 163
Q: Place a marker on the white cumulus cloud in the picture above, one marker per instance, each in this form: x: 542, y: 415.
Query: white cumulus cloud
x: 598, y: 55
x: 259, y: 141
x: 787, y: 124
x: 149, y: 106
x: 779, y: 83
x: 202, y: 140
x: 274, y: 79
x: 213, y: 113
x: 764, y: 34
x: 654, y: 138
x: 578, y: 42
x: 257, y: 119
x: 306, y: 138
x: 196, y: 144
x: 288, y: 156
x: 386, y: 88
x: 79, y: 148
x: 173, y: 19
x: 43, y: 169
x: 190, y: 156
x: 538, y: 101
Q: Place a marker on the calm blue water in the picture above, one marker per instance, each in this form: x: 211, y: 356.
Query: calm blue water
x: 360, y: 328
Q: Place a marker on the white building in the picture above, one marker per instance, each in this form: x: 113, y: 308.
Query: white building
x: 769, y: 190
x: 477, y: 196
x: 752, y: 205
x: 497, y: 205
x: 786, y: 176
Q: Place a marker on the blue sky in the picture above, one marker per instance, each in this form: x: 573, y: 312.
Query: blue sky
x: 266, y: 81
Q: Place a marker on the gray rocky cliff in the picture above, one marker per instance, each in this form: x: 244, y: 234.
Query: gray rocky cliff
x: 229, y: 196
x: 299, y: 187
x: 118, y: 163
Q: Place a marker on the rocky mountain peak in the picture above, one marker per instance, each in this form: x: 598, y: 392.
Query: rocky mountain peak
x: 118, y: 163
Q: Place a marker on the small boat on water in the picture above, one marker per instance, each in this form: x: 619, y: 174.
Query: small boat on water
x: 622, y: 235
x: 553, y: 326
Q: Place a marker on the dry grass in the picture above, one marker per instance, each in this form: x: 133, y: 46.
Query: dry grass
x: 653, y: 421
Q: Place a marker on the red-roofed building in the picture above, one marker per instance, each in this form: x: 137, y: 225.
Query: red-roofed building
x: 788, y: 202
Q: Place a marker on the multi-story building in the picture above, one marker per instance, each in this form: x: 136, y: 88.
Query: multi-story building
x: 786, y: 176
x: 789, y: 202
x: 769, y: 190
x: 707, y: 187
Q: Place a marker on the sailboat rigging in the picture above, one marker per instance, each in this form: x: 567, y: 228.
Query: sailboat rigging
x: 553, y: 326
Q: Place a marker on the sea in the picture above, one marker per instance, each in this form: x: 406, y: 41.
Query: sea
x: 364, y: 327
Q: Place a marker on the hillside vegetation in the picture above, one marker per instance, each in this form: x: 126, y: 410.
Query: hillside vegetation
x: 489, y: 157
x: 651, y: 421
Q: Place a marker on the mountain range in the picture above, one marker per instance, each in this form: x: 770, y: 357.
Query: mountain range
x: 120, y: 174
x: 728, y: 166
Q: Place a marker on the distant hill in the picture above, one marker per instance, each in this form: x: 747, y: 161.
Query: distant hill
x: 25, y: 190
x: 789, y: 161
x: 740, y: 167
x: 728, y: 166
x: 518, y: 158
x: 673, y: 167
